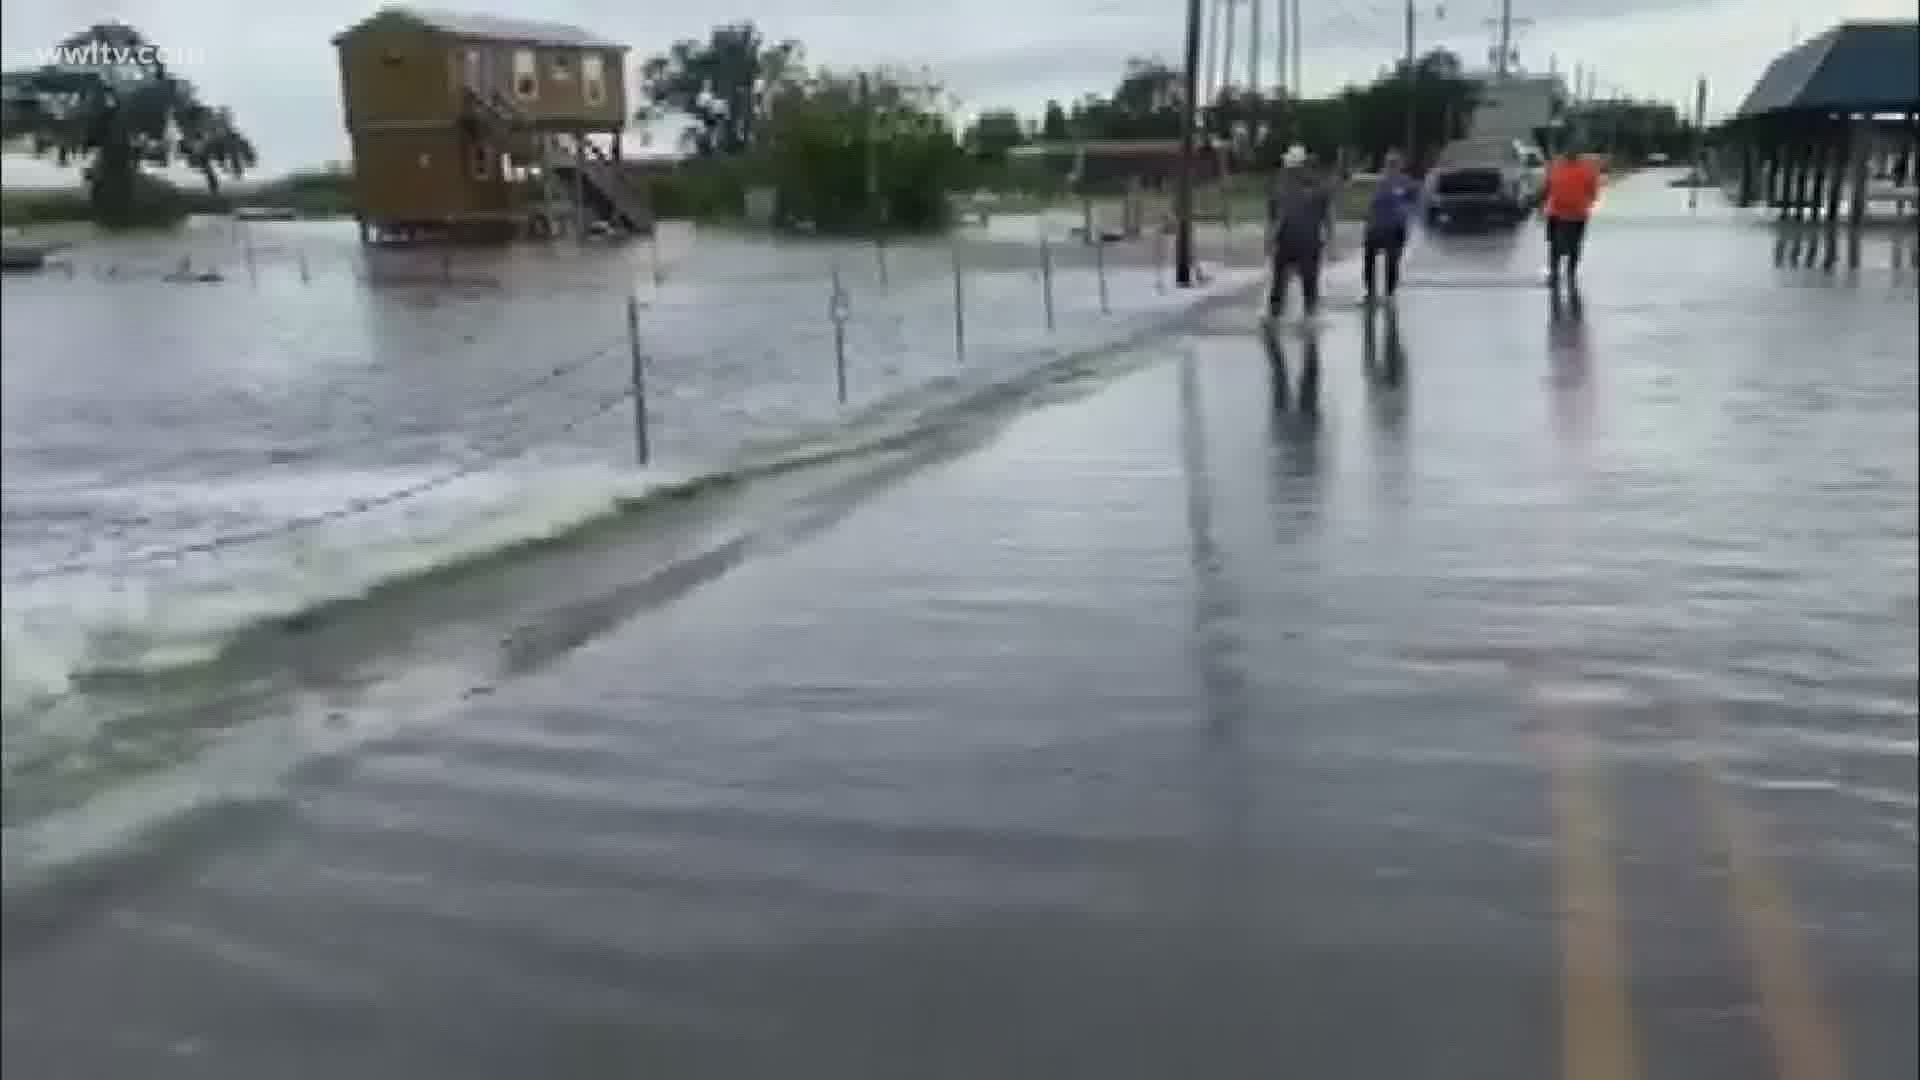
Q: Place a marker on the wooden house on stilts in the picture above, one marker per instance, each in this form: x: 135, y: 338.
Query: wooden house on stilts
x: 479, y: 128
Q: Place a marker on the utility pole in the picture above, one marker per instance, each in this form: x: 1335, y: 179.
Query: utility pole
x: 1212, y: 79
x: 1226, y: 45
x: 1257, y: 94
x: 1296, y: 38
x: 1413, y: 111
x: 1253, y: 46
x: 1699, y: 140
x: 1501, y: 55
x: 1183, y: 182
x: 1282, y: 32
x: 1506, y: 36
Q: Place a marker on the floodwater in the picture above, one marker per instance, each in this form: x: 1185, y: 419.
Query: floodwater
x: 191, y: 465
x: 1460, y: 693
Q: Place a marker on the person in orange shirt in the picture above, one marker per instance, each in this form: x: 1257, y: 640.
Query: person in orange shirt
x: 1573, y: 185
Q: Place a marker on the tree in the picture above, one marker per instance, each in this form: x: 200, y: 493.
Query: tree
x: 723, y: 86
x: 1053, y: 124
x: 1145, y: 105
x: 841, y: 159
x: 114, y: 118
x: 1370, y: 119
x: 210, y: 144
x: 994, y: 133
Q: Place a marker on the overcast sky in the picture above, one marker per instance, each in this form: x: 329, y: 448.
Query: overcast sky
x: 274, y: 66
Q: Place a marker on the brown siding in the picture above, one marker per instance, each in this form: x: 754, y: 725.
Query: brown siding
x: 399, y: 75
x: 395, y: 75
x: 558, y: 102
x: 421, y: 176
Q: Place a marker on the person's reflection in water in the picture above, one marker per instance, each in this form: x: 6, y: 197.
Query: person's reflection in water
x: 1296, y: 409
x: 1386, y: 360
x: 1386, y: 370
x: 1570, y: 364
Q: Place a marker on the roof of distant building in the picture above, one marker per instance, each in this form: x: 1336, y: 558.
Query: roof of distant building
x: 1854, y: 67
x: 487, y: 27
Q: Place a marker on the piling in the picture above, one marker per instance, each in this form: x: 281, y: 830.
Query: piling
x: 1863, y: 146
x: 1839, y: 153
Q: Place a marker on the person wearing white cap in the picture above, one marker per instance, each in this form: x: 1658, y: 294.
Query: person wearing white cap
x: 1299, y: 218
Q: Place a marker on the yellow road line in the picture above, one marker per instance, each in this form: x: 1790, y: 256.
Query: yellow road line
x: 1805, y: 1043
x: 1596, y: 1027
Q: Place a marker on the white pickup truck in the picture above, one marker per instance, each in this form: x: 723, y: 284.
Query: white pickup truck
x: 1484, y: 181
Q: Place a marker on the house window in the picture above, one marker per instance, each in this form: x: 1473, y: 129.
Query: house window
x: 560, y: 68
x: 526, y: 78
x: 482, y: 163
x: 593, y: 79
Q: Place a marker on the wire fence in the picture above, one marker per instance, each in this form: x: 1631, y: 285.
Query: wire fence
x: 865, y: 321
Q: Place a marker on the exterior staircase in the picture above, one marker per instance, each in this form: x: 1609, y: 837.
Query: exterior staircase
x: 574, y: 173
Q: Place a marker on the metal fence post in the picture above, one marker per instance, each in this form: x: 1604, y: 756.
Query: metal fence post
x: 837, y: 310
x: 1100, y: 268
x: 1046, y: 274
x: 640, y: 443
x: 959, y: 307
x: 1159, y: 259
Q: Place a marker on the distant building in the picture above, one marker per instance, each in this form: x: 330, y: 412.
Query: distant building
x: 1525, y: 107
x: 473, y: 126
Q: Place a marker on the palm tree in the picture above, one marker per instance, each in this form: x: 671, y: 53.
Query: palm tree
x: 114, y: 118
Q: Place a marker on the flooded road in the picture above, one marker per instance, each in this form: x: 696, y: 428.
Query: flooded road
x: 1503, y: 688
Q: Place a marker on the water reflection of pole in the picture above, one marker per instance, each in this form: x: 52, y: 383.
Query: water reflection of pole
x: 1219, y: 682
x: 1221, y: 693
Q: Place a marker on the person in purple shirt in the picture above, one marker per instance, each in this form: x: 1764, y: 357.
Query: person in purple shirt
x: 1395, y: 197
